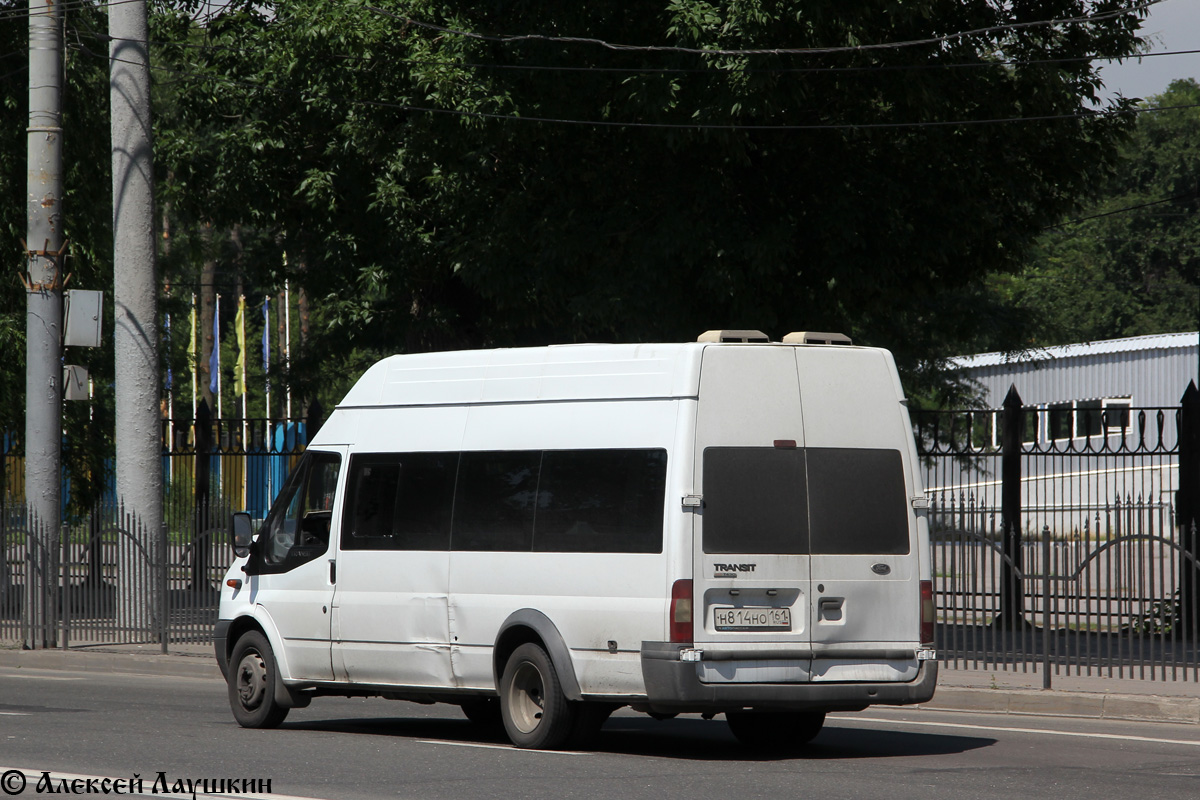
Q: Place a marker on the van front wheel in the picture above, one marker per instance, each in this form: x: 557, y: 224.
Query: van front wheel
x: 536, y: 714
x: 775, y: 732
x: 252, y: 679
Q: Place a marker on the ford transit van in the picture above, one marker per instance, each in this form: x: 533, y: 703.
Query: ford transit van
x: 542, y: 535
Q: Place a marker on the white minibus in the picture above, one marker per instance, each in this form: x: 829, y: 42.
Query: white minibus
x: 543, y: 535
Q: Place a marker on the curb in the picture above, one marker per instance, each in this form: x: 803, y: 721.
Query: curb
x: 1048, y: 702
x: 177, y: 666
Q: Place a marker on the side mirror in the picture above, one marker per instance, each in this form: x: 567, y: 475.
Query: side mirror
x: 243, y: 534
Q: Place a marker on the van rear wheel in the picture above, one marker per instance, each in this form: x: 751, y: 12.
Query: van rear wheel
x: 536, y: 714
x: 775, y: 732
x: 252, y: 677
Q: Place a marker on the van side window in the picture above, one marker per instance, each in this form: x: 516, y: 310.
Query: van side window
x: 601, y: 501
x: 297, y: 528
x: 858, y: 501
x: 495, y: 500
x: 399, y: 501
x: 755, y: 500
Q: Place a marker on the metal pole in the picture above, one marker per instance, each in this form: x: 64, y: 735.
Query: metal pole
x: 1187, y: 505
x: 135, y: 334
x: 43, y: 304
x: 1012, y: 601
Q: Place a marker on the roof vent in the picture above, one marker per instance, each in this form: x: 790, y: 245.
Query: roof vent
x: 732, y: 336
x: 816, y: 337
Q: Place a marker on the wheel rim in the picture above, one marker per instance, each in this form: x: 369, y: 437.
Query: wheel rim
x: 526, y: 697
x: 251, y: 680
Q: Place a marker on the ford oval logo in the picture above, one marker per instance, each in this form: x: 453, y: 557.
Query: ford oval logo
x: 881, y: 569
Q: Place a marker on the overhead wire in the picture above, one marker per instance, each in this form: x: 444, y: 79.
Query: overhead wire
x: 1106, y: 113
x: 209, y: 46
x: 507, y: 39
x: 1126, y: 209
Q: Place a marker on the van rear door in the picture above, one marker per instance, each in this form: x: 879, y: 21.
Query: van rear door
x: 751, y: 591
x: 865, y: 563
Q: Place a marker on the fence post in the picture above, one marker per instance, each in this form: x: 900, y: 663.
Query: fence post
x: 162, y: 572
x: 204, y: 441
x: 1012, y: 600
x: 1187, y: 504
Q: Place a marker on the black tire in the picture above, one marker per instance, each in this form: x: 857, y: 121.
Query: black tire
x: 252, y: 677
x: 537, y: 715
x: 779, y: 732
x: 483, y: 711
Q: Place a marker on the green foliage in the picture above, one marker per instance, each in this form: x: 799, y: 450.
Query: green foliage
x: 435, y: 190
x: 1132, y: 266
x: 87, y: 225
x: 425, y: 189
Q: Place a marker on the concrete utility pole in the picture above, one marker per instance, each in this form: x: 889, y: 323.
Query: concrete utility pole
x: 43, y: 317
x: 135, y: 329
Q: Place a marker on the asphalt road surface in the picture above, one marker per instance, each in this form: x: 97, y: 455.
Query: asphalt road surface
x: 116, y: 726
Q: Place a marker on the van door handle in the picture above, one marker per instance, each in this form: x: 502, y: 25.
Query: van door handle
x: 333, y: 570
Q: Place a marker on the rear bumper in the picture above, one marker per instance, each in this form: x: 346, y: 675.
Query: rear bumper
x: 674, y: 686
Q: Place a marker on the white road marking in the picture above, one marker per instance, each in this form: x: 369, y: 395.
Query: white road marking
x: 508, y: 747
x: 14, y: 713
x: 38, y: 677
x: 34, y: 775
x: 997, y: 728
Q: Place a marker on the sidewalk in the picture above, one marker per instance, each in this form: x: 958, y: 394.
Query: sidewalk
x: 976, y: 691
x: 1012, y: 692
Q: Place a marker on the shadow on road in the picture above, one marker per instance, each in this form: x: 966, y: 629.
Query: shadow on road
x: 687, y: 738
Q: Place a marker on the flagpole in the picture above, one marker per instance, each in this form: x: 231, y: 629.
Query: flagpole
x: 217, y: 348
x: 266, y: 357
x: 241, y: 337
x: 287, y: 346
x: 193, y: 362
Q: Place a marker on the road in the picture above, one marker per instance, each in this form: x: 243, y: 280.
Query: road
x: 112, y: 725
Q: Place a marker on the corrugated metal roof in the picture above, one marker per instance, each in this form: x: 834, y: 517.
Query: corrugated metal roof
x: 1164, y: 341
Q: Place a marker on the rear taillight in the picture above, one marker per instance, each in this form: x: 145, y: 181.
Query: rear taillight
x: 927, y: 613
x: 681, y: 611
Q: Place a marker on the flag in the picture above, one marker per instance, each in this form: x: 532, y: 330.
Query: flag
x: 214, y: 361
x: 167, y: 341
x: 192, y: 341
x: 266, y: 342
x: 239, y: 368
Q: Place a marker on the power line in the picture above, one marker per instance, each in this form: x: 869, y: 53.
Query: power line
x: 1184, y: 196
x: 533, y: 37
x: 209, y: 46
x: 678, y: 125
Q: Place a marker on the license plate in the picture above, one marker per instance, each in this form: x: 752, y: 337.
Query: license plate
x: 752, y: 619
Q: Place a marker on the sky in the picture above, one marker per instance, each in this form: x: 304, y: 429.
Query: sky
x: 1172, y: 25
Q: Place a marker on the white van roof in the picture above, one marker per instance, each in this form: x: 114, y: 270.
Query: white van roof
x: 557, y: 372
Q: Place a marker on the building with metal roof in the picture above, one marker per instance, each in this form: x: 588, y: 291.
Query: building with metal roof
x: 1140, y: 371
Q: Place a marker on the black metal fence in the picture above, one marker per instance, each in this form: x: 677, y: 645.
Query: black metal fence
x: 1075, y: 555
x: 103, y: 578
x: 1065, y: 556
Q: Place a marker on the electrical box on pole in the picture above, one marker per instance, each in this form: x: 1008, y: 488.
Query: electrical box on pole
x: 84, y: 318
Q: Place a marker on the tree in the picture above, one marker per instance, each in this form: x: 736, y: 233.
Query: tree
x: 434, y: 189
x: 1130, y: 265
x: 87, y: 224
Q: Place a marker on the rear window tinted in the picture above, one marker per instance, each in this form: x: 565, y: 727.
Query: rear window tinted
x: 857, y: 501
x: 754, y: 500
